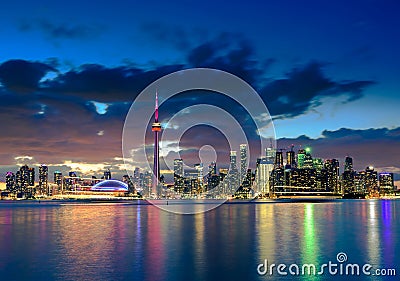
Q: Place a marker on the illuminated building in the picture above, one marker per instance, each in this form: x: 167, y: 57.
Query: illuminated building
x: 110, y: 186
x: 263, y: 173
x: 199, y: 170
x: 330, y: 176
x: 243, y: 161
x: 147, y: 183
x: 58, y: 181
x: 308, y: 160
x: 371, y: 180
x: 359, y: 182
x: 290, y: 158
x: 348, y: 164
x: 318, y: 164
x: 348, y: 176
x: 270, y: 154
x: 131, y: 187
x: 300, y: 158
x: 179, y: 180
x: 43, y: 179
x: 156, y: 128
x: 278, y: 159
x: 136, y: 178
x: 178, y: 167
x: 386, y: 181
x: 233, y: 174
x: 10, y: 181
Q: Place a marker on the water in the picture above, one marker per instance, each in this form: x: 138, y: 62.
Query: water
x: 57, y: 241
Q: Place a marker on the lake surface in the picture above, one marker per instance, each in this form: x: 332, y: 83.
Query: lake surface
x: 98, y: 241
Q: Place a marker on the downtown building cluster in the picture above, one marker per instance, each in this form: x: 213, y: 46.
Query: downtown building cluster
x: 273, y: 176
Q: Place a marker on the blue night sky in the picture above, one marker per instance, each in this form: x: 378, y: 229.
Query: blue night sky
x: 327, y: 70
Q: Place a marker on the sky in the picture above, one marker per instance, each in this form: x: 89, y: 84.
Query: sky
x: 69, y: 72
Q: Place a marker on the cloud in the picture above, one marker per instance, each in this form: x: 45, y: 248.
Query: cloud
x: 23, y: 76
x: 302, y: 89
x: 60, y: 30
x: 102, y: 84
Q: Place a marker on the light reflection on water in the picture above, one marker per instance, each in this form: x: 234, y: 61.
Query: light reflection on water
x: 133, y: 242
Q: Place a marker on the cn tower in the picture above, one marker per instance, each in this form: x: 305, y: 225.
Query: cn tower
x: 156, y: 128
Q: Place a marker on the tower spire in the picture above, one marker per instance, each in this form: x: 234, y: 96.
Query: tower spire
x: 156, y: 109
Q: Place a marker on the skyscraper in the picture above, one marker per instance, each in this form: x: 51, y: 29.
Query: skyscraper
x: 386, y: 182
x: 43, y: 179
x: 57, y: 181
x: 290, y: 160
x: 178, y: 167
x: 243, y: 161
x: 300, y: 158
x: 278, y: 159
x: 371, y: 180
x: 330, y: 174
x: 348, y: 164
x: 156, y: 128
x: 263, y: 173
x: 10, y: 181
x: 233, y: 175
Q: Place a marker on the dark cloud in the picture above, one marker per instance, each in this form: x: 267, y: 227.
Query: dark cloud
x: 99, y: 83
x: 23, y: 76
x: 229, y: 53
x: 303, y: 88
x: 60, y: 30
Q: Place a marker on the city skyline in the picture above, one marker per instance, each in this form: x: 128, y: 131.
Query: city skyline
x: 331, y: 86
x: 274, y: 174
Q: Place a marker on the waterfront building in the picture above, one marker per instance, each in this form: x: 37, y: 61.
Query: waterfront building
x: 386, y: 182
x: 371, y: 180
x: 43, y: 180
x: 243, y: 161
x: 263, y: 172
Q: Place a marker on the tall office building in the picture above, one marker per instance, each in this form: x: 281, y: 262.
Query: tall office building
x: 10, y: 181
x: 232, y: 160
x: 348, y: 176
x: 233, y: 175
x: 278, y: 159
x: 179, y: 180
x: 371, y: 180
x: 58, y: 179
x: 178, y: 167
x: 386, y: 181
x: 331, y: 176
x: 243, y: 162
x: 199, y: 170
x: 156, y: 128
x: 263, y: 173
x: 308, y: 160
x: 348, y: 164
x: 43, y: 179
x: 270, y: 154
x: 300, y: 158
x: 290, y: 158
